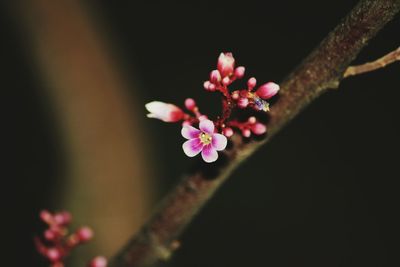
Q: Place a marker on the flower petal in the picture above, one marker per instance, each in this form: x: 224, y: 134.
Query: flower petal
x: 219, y: 141
x: 207, y: 126
x: 192, y: 147
x: 209, y: 154
x: 189, y: 132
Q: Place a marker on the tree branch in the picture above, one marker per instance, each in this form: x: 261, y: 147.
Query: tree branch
x: 374, y: 65
x: 321, y: 70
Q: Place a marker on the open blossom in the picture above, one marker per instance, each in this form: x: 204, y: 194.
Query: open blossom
x: 204, y: 140
x: 164, y: 111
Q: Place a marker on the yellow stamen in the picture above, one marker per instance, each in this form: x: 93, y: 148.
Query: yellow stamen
x: 205, y: 138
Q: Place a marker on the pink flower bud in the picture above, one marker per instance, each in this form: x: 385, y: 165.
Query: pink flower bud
x: 252, y: 120
x: 251, y: 83
x: 226, y: 81
x: 243, y: 102
x: 46, y: 216
x: 246, y: 132
x: 84, y: 234
x: 267, y: 90
x: 258, y: 128
x: 212, y: 87
x: 50, y: 234
x: 239, y: 72
x: 190, y: 104
x: 215, y: 76
x: 206, y: 84
x: 226, y: 64
x: 62, y: 218
x: 53, y: 254
x: 164, y: 111
x: 98, y: 261
x: 228, y: 132
x: 235, y: 95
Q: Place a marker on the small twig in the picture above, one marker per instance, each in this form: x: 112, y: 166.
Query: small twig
x: 374, y: 65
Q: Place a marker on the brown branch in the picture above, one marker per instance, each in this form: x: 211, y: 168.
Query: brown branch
x: 321, y: 70
x: 374, y: 65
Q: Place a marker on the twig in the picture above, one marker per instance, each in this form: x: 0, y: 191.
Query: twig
x: 321, y: 70
x: 374, y: 65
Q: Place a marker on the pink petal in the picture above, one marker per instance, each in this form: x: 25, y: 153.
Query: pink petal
x: 209, y: 154
x: 190, y: 132
x: 207, y: 126
x: 219, y: 141
x: 192, y: 147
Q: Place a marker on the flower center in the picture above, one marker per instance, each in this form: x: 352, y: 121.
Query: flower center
x: 205, y: 138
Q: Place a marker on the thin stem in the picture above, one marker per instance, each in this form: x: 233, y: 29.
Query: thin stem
x: 374, y: 65
x: 321, y: 70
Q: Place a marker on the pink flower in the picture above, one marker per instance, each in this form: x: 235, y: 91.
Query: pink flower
x: 164, y: 111
x: 226, y: 64
x: 204, y: 140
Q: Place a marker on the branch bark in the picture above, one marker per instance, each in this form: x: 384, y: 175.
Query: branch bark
x: 321, y: 70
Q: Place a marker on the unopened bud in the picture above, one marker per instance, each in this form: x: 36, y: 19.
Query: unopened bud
x: 228, y: 132
x: 98, y: 261
x: 215, y: 77
x: 84, y: 234
x: 251, y: 83
x: 239, y: 72
x: 267, y: 90
x: 243, y: 102
x: 190, y: 104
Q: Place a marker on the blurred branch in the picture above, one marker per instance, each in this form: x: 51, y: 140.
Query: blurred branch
x: 374, y: 65
x: 96, y: 113
x: 321, y: 70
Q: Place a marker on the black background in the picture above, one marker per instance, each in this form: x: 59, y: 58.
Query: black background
x: 323, y: 193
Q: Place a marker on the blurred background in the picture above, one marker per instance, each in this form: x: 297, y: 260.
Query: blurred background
x: 76, y: 76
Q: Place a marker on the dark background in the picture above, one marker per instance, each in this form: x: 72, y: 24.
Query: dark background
x: 324, y: 192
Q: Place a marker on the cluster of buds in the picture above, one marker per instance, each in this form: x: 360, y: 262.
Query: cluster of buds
x: 56, y: 243
x: 212, y: 135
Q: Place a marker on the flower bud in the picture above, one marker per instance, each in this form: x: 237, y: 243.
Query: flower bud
x: 251, y: 83
x: 212, y: 87
x: 246, y: 132
x: 243, y: 102
x: 62, y: 218
x: 226, y: 64
x: 46, y: 216
x: 252, y: 120
x: 98, y: 261
x: 50, y: 234
x: 84, y: 234
x: 267, y: 90
x: 190, y: 104
x: 164, y: 111
x: 235, y: 95
x: 53, y: 254
x: 228, y: 132
x: 258, y: 128
x: 239, y: 72
x: 206, y: 84
x: 215, y: 77
x: 226, y: 81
